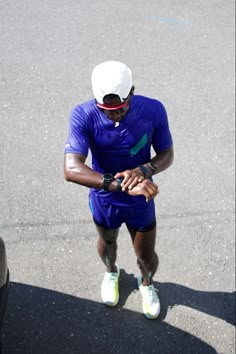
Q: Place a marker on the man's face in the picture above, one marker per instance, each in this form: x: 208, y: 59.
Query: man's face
x: 118, y: 114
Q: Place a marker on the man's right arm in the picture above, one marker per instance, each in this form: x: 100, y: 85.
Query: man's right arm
x: 76, y: 171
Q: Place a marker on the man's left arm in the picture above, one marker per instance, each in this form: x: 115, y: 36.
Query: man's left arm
x: 160, y: 162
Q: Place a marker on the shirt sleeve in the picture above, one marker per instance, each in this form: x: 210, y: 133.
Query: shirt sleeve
x: 162, y: 138
x: 78, y: 136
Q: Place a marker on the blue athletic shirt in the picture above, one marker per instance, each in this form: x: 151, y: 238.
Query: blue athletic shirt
x: 116, y: 149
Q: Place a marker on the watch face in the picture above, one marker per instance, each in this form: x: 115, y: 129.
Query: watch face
x: 107, y: 177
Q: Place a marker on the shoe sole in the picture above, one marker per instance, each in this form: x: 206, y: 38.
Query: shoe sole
x: 111, y: 304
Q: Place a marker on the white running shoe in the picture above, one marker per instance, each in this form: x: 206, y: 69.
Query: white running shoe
x: 151, y: 303
x: 110, y: 288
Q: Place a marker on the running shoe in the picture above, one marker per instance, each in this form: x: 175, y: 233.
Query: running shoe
x: 151, y: 303
x: 110, y: 288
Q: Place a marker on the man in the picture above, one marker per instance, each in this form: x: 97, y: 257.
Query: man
x: 120, y: 128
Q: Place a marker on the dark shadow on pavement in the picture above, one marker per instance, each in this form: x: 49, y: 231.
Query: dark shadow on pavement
x: 40, y: 320
x: 216, y: 304
x: 213, y: 303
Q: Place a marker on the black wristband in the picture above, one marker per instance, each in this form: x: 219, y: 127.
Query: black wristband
x: 119, y: 181
x: 107, y: 179
x: 144, y: 171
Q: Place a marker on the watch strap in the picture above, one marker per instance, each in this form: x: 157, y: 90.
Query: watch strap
x: 144, y: 171
x: 152, y: 167
x: 107, y: 179
x: 119, y: 181
x: 106, y: 185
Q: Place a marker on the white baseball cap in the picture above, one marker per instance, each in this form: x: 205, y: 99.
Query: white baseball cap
x: 111, y: 77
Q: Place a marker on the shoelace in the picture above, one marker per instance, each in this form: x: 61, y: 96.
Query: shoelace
x: 152, y: 292
x: 113, y: 278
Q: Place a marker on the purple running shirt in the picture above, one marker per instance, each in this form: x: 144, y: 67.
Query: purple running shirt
x: 116, y: 148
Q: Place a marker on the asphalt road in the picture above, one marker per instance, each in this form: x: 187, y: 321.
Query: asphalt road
x: 180, y: 52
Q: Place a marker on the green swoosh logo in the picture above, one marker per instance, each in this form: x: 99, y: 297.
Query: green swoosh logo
x: 141, y: 143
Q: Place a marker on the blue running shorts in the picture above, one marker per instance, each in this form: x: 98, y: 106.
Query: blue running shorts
x: 139, y: 216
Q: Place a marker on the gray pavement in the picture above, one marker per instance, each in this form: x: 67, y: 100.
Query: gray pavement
x: 181, y: 52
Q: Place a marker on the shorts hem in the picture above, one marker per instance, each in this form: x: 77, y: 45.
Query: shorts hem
x: 105, y: 227
x: 143, y: 229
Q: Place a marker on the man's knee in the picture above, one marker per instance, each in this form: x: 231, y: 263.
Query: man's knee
x: 109, y: 236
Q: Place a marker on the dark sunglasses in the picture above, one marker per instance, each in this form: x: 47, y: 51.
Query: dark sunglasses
x: 124, y: 106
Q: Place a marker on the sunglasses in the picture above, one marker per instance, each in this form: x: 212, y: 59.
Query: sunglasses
x: 122, y: 107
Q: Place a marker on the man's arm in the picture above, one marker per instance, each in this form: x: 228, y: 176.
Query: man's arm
x: 161, y: 161
x: 76, y: 171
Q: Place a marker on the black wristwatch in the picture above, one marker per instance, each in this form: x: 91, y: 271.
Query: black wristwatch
x: 119, y: 181
x: 107, y: 178
x: 152, y: 167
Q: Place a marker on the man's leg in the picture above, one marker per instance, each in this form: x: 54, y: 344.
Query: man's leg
x: 107, y: 246
x: 144, y: 246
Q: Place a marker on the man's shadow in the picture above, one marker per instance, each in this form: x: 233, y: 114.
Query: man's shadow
x: 216, y: 304
x: 40, y: 321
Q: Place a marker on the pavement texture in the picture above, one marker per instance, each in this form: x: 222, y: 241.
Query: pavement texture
x: 180, y: 52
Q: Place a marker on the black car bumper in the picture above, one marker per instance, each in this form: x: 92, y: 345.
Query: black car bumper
x: 3, y: 298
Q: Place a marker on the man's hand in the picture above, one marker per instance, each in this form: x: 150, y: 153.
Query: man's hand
x: 146, y: 188
x: 162, y: 160
x: 131, y: 178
